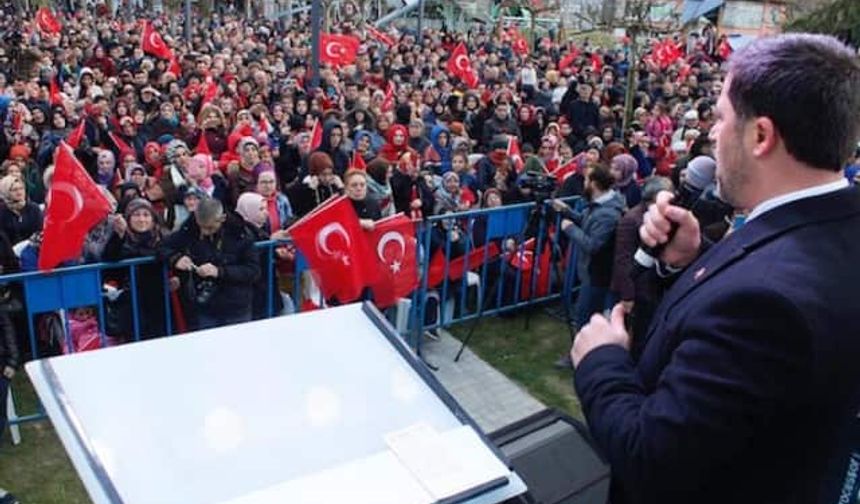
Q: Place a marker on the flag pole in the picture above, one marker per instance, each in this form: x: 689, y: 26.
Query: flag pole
x: 188, y: 22
x: 316, y: 22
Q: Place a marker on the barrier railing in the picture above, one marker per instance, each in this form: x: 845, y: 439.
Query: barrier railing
x: 471, y: 264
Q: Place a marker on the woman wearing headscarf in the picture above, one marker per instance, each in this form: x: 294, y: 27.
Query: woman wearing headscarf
x: 278, y: 207
x: 549, y: 152
x: 379, y: 174
x: 106, y: 169
x: 397, y: 138
x: 439, y: 153
x: 173, y: 180
x: 200, y: 172
x: 138, y: 233
x: 332, y: 144
x: 253, y: 209
x: 363, y: 142
x: 153, y: 159
x: 623, y: 167
x: 19, y: 218
x: 320, y: 184
x: 448, y: 195
x: 530, y: 127
x: 212, y: 131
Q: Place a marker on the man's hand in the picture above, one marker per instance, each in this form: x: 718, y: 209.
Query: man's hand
x: 9, y: 372
x: 416, y: 204
x: 655, y: 229
x: 599, y: 332
x: 184, y: 264
x: 207, y: 270
x: 366, y: 224
x: 120, y: 226
x: 559, y: 205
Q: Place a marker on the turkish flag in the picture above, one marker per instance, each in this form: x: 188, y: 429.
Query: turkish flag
x: 331, y: 240
x: 203, y: 145
x: 380, y: 36
x: 152, y: 43
x: 357, y: 162
x: 75, y: 205
x: 211, y: 91
x: 566, y: 170
x: 338, y: 50
x: 316, y: 135
x: 175, y: 68
x: 523, y: 260
x: 459, y: 64
x: 596, y: 62
x: 121, y: 146
x: 568, y: 60
x: 520, y: 44
x: 54, y: 91
x: 47, y: 22
x: 459, y: 266
x: 77, y: 135
x: 515, y: 153
x: 393, y: 239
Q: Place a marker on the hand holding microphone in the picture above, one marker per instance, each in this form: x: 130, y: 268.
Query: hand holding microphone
x: 670, y: 233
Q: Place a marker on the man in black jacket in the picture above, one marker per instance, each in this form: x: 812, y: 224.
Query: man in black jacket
x: 581, y: 112
x: 218, y: 253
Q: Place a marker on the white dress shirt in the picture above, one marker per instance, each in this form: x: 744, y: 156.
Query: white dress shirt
x: 784, y: 199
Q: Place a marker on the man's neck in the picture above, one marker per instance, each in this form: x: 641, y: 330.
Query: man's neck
x: 799, y: 179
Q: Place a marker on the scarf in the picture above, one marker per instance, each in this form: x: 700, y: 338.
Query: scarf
x: 382, y: 194
x: 274, y: 213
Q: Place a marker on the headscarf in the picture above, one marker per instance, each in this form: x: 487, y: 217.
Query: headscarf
x: 106, y: 175
x: 447, y: 201
x: 248, y: 206
x: 172, y: 150
x: 445, y: 153
x: 627, y: 165
x: 148, y: 237
x: 6, y: 184
x: 201, y: 164
x: 391, y: 152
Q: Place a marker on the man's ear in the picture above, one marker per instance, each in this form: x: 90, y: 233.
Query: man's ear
x: 767, y: 137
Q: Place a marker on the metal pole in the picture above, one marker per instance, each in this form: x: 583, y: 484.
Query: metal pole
x: 420, y: 23
x: 188, y: 22
x: 316, y: 22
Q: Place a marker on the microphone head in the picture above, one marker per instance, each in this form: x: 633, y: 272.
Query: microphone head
x: 701, y: 172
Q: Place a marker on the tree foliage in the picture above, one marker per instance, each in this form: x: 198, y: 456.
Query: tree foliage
x: 840, y: 18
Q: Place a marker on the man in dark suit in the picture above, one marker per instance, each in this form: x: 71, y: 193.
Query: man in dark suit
x: 748, y: 387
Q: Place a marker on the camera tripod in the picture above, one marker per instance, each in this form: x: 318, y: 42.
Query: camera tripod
x: 539, y: 218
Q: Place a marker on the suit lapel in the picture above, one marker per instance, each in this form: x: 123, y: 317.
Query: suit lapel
x: 761, y: 230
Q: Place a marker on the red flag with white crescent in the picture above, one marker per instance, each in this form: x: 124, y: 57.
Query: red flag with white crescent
x: 77, y: 135
x: 357, y: 162
x: 47, y: 22
x: 152, y: 43
x: 380, y: 36
x: 459, y: 64
x: 459, y: 266
x: 515, y: 153
x: 54, y: 91
x: 393, y: 240
x: 337, y: 250
x: 316, y: 135
x: 75, y: 205
x: 338, y: 50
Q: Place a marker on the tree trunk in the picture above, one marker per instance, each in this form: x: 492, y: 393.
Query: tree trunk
x: 632, y: 77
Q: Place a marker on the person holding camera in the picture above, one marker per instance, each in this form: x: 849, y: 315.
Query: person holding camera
x: 748, y: 387
x: 592, y: 232
x: 216, y: 254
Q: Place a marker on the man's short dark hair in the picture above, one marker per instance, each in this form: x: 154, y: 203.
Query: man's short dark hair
x: 809, y: 86
x: 602, y: 178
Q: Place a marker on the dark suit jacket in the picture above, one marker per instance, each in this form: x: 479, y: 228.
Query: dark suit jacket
x: 750, y: 378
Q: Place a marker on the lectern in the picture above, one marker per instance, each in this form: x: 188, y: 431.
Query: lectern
x: 317, y: 408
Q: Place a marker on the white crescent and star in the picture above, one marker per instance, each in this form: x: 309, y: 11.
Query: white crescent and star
x: 73, y: 193
x: 155, y: 41
x: 461, y: 62
x: 392, y: 236
x: 334, y: 49
x: 333, y: 228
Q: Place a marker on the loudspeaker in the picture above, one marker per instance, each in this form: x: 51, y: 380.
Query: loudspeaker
x: 553, y: 454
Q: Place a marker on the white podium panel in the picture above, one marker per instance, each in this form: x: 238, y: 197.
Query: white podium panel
x: 270, y: 411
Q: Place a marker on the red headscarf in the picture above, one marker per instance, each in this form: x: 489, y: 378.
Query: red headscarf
x: 391, y: 152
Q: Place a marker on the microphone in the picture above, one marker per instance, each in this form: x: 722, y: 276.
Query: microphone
x: 700, y: 173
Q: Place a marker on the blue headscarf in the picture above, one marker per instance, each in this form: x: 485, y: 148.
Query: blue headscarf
x: 445, y: 153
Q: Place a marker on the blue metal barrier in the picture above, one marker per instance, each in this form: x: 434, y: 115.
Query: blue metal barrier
x: 82, y: 286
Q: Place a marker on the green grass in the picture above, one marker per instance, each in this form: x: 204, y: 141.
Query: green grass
x: 527, y: 356
x: 38, y: 470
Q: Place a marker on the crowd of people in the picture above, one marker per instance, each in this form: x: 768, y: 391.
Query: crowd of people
x: 208, y: 153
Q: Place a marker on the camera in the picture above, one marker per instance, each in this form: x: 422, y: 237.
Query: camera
x: 541, y: 184
x: 204, y: 291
